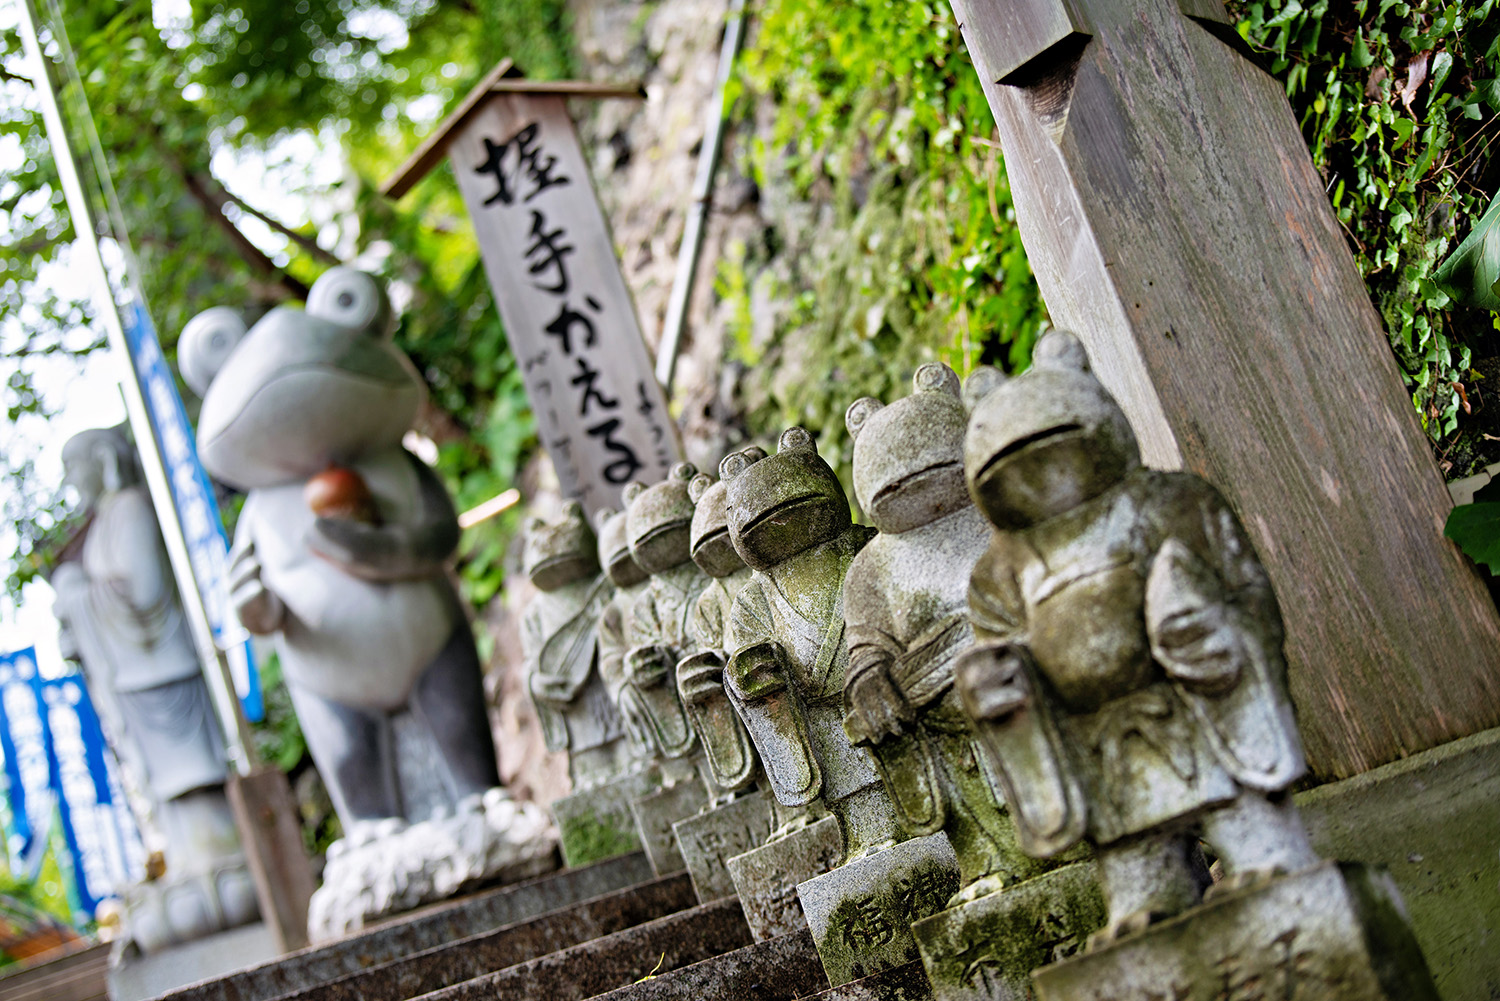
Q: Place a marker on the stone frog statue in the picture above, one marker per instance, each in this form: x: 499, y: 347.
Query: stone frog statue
x: 629, y: 581
x: 789, y: 520
x: 560, y: 639
x: 1129, y: 680
x: 907, y: 621
x: 700, y: 675
x: 340, y: 547
x: 658, y: 523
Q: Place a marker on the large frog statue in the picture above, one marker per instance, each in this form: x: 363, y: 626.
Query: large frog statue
x: 700, y: 675
x: 789, y: 520
x: 1129, y: 681
x: 339, y: 553
x: 658, y: 523
x: 560, y: 638
x: 907, y: 611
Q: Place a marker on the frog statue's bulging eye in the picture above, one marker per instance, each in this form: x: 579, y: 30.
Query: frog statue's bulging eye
x: 206, y: 343
x: 353, y: 299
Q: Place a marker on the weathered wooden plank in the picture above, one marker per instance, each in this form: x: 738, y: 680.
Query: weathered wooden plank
x: 1175, y: 221
x: 266, y: 814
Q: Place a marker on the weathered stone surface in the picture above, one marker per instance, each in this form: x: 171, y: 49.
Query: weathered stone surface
x: 1335, y: 932
x: 709, y: 840
x: 861, y: 913
x: 784, y: 967
x: 907, y: 982
x: 1434, y: 821
x: 477, y: 955
x: 614, y: 961
x: 656, y: 812
x: 985, y: 950
x: 422, y: 930
x: 598, y: 824
x: 766, y: 878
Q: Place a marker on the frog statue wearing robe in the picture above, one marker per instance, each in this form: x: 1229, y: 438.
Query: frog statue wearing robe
x: 658, y: 523
x: 789, y: 520
x: 1128, y: 679
x: 630, y: 582
x: 560, y: 638
x: 907, y: 612
x: 700, y: 675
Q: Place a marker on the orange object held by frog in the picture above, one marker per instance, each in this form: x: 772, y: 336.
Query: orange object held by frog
x: 340, y: 492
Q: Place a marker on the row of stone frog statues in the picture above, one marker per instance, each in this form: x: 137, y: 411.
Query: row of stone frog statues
x: 1039, y: 647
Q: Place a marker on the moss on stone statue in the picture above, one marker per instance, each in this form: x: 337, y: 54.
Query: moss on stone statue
x: 593, y: 837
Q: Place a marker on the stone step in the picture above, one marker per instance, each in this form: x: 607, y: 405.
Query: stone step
x: 617, y: 960
x: 508, y: 946
x: 422, y: 930
x: 902, y: 983
x: 775, y: 969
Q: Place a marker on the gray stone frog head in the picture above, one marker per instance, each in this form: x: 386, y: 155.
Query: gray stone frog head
x: 909, y: 455
x: 713, y: 549
x: 614, y: 544
x: 303, y: 389
x: 658, y: 521
x: 559, y: 552
x: 785, y: 503
x: 1048, y: 440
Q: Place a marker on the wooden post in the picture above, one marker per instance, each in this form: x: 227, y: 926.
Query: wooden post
x: 266, y: 814
x: 1175, y: 221
x: 569, y: 316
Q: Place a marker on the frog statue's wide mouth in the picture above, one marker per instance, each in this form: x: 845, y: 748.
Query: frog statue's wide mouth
x: 1037, y: 441
x: 923, y: 476
x: 782, y: 511
x: 711, y: 538
x: 663, y: 530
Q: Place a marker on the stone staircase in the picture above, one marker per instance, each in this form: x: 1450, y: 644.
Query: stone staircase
x: 610, y: 930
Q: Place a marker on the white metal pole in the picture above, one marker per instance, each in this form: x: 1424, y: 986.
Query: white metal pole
x: 240, y: 750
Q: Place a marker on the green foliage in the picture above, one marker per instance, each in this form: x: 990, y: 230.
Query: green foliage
x: 181, y: 105
x: 1398, y: 104
x: 909, y: 252
x: 1476, y: 529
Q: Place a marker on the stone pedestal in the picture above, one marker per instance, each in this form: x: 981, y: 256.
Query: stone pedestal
x: 766, y: 878
x: 985, y: 950
x: 709, y: 840
x: 656, y: 812
x: 861, y: 913
x: 133, y: 976
x: 597, y: 824
x: 1334, y: 932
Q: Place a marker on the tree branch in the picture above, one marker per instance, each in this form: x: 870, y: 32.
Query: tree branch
x: 302, y: 240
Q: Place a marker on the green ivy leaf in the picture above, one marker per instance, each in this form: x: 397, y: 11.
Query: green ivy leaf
x: 1470, y: 273
x: 1476, y: 529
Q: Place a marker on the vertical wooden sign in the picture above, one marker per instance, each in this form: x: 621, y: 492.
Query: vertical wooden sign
x: 551, y: 263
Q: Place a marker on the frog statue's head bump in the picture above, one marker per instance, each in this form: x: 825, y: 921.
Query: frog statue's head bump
x: 614, y: 543
x: 1048, y: 440
x: 562, y: 551
x: 659, y: 521
x: 783, y: 504
x: 303, y: 389
x: 713, y: 549
x: 908, y: 456
x: 96, y: 462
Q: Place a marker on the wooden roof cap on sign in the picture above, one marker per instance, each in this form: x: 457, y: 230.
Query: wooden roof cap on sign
x: 505, y: 78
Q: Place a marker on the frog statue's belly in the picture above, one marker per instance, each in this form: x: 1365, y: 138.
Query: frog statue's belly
x: 1088, y: 636
x: 357, y: 642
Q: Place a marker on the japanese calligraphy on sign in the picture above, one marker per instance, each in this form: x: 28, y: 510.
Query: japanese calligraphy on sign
x: 571, y: 322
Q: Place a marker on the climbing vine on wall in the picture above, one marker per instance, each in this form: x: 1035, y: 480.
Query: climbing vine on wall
x: 1399, y: 104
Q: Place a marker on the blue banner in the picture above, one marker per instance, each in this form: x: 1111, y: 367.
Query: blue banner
x: 193, y: 495
x: 28, y: 767
x: 92, y: 822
